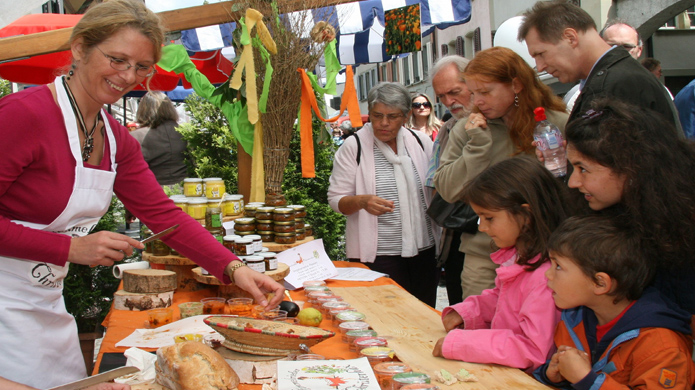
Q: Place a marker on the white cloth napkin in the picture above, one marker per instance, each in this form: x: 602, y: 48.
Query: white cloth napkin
x: 142, y: 360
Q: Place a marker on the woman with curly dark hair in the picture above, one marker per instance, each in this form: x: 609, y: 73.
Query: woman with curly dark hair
x: 628, y: 161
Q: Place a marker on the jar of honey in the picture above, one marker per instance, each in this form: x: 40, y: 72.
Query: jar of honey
x: 245, y: 224
x: 197, y: 208
x: 285, y: 238
x: 193, y: 187
x: 234, y: 205
x: 283, y: 214
x: 264, y: 213
x: 213, y: 187
x: 180, y: 201
x: 284, y: 227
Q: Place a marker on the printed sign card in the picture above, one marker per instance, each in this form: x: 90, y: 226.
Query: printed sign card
x: 326, y: 375
x: 307, y: 262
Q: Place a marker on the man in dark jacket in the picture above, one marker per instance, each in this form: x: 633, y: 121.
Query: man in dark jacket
x: 564, y: 41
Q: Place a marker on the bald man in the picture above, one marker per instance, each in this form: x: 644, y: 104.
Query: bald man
x: 619, y: 33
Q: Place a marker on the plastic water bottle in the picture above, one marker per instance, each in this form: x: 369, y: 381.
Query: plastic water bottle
x: 549, y: 141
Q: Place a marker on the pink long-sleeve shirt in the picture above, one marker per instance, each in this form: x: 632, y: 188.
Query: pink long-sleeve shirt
x: 511, y: 324
x: 37, y: 173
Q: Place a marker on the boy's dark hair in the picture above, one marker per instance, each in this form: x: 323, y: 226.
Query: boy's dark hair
x: 510, y: 184
x: 600, y: 243
x: 551, y: 18
x: 650, y: 63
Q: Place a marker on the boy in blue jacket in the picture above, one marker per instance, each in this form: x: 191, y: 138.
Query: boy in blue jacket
x: 614, y: 333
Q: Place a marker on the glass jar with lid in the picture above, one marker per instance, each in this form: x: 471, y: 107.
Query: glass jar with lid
x: 264, y: 225
x: 257, y: 243
x: 213, y: 187
x: 244, y: 246
x: 385, y: 371
x: 235, y: 205
x: 301, y: 234
x: 299, y: 222
x: 180, y: 201
x: 250, y: 211
x: 299, y: 210
x: 245, y: 224
x: 228, y: 242
x: 271, y: 260
x: 197, y: 208
x: 308, y: 229
x: 193, y: 187
x: 213, y: 215
x: 284, y: 227
x: 264, y: 213
x: 256, y: 263
x: 267, y: 236
x: 283, y: 214
x: 285, y: 238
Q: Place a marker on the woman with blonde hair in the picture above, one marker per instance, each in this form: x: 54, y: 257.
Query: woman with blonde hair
x: 422, y: 116
x: 504, y: 91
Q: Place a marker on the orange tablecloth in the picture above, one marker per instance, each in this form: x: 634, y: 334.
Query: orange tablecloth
x: 120, y: 324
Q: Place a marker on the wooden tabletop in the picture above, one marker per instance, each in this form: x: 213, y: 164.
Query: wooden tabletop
x: 411, y: 327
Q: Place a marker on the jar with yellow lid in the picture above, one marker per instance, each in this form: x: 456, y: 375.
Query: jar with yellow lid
x: 245, y: 225
x: 299, y: 210
x: 283, y: 214
x: 284, y: 227
x: 213, y: 187
x: 197, y: 208
x: 213, y: 215
x: 285, y: 238
x: 233, y: 205
x: 267, y: 236
x: 250, y: 211
x: 264, y: 213
x: 193, y: 187
x: 264, y: 225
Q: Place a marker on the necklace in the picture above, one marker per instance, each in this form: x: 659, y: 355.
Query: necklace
x: 88, y: 146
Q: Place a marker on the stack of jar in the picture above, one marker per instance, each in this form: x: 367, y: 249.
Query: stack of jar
x: 199, y: 194
x: 251, y: 251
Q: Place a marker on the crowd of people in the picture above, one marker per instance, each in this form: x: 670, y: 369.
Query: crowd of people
x: 583, y: 281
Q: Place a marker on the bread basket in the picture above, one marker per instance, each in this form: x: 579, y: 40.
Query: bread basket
x: 263, y: 337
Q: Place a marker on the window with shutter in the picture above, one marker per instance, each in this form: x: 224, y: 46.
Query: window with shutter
x: 425, y: 61
x: 445, y: 50
x: 477, y: 46
x: 406, y: 71
x: 460, y: 50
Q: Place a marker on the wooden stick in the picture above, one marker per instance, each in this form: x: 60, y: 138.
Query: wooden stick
x: 181, y: 19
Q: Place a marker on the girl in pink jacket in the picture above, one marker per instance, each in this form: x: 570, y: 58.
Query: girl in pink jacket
x: 519, y: 204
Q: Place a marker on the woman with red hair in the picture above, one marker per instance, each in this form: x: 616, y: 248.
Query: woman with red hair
x: 504, y: 90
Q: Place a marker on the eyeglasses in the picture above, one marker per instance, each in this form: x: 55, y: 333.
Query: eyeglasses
x: 420, y: 105
x: 627, y: 46
x: 121, y: 64
x: 389, y: 118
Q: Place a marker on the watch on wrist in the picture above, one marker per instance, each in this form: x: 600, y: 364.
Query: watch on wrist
x: 234, y: 268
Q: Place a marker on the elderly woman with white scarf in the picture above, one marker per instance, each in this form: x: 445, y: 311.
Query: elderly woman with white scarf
x: 378, y: 181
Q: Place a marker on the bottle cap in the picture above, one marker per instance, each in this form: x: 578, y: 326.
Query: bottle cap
x: 539, y: 112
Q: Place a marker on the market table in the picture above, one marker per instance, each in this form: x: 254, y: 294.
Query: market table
x: 411, y: 327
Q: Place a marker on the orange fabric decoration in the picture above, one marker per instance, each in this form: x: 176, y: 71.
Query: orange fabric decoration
x: 349, y: 103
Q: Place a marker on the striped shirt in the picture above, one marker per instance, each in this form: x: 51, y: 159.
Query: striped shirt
x: 389, y: 230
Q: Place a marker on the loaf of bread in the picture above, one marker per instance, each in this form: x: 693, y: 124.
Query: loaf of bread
x: 194, y: 366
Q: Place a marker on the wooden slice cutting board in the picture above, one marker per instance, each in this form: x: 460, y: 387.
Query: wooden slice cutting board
x: 412, y: 328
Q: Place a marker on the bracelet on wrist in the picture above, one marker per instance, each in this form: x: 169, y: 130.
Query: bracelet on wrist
x: 233, y: 269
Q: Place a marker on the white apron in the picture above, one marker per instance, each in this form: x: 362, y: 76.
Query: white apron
x: 39, y: 345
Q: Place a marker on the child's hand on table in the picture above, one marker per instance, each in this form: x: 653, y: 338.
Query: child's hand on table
x: 452, y: 320
x: 437, y: 351
x: 573, y: 364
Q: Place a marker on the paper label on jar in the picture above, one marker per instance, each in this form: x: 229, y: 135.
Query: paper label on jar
x: 216, y: 220
x: 272, y: 264
x: 249, y: 249
x: 258, y: 246
x: 257, y: 266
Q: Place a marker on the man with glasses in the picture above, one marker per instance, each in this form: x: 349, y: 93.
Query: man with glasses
x: 564, y: 41
x: 619, y: 33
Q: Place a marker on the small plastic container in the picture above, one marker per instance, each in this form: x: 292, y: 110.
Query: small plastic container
x: 215, y: 305
x: 313, y: 283
x: 377, y: 355
x: 256, y: 263
x: 274, y: 315
x: 418, y: 386
x: 385, y: 371
x: 182, y: 338
x: 353, y: 335
x: 242, y: 307
x: 370, y: 341
x: 314, y: 295
x: 327, y: 306
x: 257, y: 310
x: 324, y: 299
x: 264, y: 213
x: 190, y: 309
x: 350, y: 315
x: 160, y: 317
x: 307, y: 290
x: 197, y: 208
x: 310, y: 356
x: 332, y: 313
x: 214, y: 187
x: 283, y: 214
x: 285, y: 238
x: 402, y: 380
x: 352, y: 325
x: 193, y: 187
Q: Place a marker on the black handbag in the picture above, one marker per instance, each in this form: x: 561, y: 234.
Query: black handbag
x: 457, y: 216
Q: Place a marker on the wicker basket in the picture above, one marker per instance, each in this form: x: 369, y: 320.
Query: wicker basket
x: 262, y: 337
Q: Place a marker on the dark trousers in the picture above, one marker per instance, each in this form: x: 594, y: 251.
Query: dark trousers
x: 418, y: 275
x: 452, y: 270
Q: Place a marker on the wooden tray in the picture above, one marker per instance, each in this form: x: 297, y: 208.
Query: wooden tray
x: 412, y: 328
x: 279, y: 274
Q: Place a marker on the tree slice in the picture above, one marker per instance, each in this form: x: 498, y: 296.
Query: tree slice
x: 149, y: 280
x: 123, y: 300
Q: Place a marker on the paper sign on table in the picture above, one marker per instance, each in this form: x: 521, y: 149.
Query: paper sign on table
x: 326, y: 375
x: 164, y: 335
x: 357, y: 274
x: 307, y: 262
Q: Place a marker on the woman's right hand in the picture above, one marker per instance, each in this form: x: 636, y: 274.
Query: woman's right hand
x: 539, y: 154
x: 101, y: 248
x: 376, y: 205
x: 476, y: 119
x: 452, y: 320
